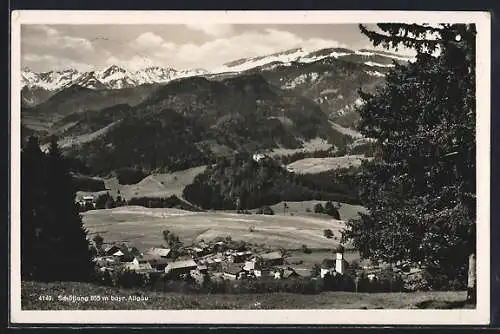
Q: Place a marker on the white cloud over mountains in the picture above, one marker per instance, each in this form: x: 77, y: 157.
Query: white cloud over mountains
x: 179, y: 46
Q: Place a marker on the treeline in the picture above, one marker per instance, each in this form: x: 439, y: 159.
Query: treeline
x: 162, y: 202
x: 241, y: 183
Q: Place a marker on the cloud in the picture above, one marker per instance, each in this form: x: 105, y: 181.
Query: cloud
x: 215, y: 52
x: 32, y: 60
x: 212, y: 29
x: 42, y: 35
x: 220, y: 44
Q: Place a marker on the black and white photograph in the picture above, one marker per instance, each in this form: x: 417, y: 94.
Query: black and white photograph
x: 306, y: 168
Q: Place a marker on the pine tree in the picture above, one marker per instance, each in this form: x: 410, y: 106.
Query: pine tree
x: 33, y: 210
x: 420, y: 186
x: 59, y: 248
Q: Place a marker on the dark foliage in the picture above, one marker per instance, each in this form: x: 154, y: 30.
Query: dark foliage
x: 130, y: 175
x: 87, y: 183
x: 331, y: 210
x: 241, y: 183
x: 420, y: 188
x: 54, y: 244
x: 318, y: 208
x: 265, y: 210
x: 328, y: 233
x: 162, y: 202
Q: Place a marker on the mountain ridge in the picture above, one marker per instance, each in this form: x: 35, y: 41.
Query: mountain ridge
x: 116, y: 77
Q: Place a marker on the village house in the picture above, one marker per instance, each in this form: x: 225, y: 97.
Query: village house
x: 198, y: 251
x: 233, y: 271
x: 87, y: 202
x: 138, y: 264
x: 199, y: 274
x: 272, y: 259
x: 179, y: 268
x: 284, y: 272
x: 159, y: 252
x: 219, y: 246
x: 334, y: 267
x: 111, y: 250
x: 239, y: 257
x: 258, y: 157
x: 158, y: 263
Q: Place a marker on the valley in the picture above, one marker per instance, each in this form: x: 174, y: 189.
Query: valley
x: 190, y: 134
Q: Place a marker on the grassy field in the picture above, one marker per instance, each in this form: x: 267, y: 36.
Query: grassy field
x: 143, y: 227
x: 346, y: 211
x: 318, y: 165
x: 155, y: 185
x: 346, y: 131
x: 31, y: 291
x: 315, y: 144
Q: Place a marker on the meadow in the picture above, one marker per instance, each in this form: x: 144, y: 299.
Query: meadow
x: 143, y: 227
x: 318, y: 165
x: 152, y: 300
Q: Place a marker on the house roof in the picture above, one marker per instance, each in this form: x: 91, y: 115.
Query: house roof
x: 287, y: 273
x: 182, y: 264
x: 272, y: 256
x: 118, y: 253
x: 160, y: 261
x: 303, y: 271
x: 328, y: 263
x: 159, y: 251
x: 233, y: 269
x: 110, y: 247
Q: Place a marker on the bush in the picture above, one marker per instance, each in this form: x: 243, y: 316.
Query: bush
x: 104, y: 201
x: 318, y: 208
x: 124, y: 278
x: 315, y: 270
x: 265, y: 210
x: 308, y: 209
x: 306, y: 249
x: 332, y: 211
x: 338, y: 282
x: 339, y: 249
x: 385, y: 281
x: 328, y: 233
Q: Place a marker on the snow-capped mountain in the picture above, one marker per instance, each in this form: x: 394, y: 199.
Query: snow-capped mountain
x: 154, y: 74
x: 115, y: 77
x: 51, y: 80
x: 299, y: 55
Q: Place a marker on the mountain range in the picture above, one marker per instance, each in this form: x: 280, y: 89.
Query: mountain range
x: 164, y: 119
x: 39, y: 86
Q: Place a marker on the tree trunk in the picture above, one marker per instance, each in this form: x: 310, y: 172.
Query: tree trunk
x: 471, y: 280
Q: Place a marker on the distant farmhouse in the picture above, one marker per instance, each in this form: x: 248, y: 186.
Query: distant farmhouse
x: 160, y: 252
x: 179, y: 268
x: 87, y: 202
x: 258, y: 157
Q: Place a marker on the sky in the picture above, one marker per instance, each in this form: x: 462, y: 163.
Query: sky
x: 87, y: 47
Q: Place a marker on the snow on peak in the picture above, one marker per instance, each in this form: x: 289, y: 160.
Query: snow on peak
x: 116, y: 77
